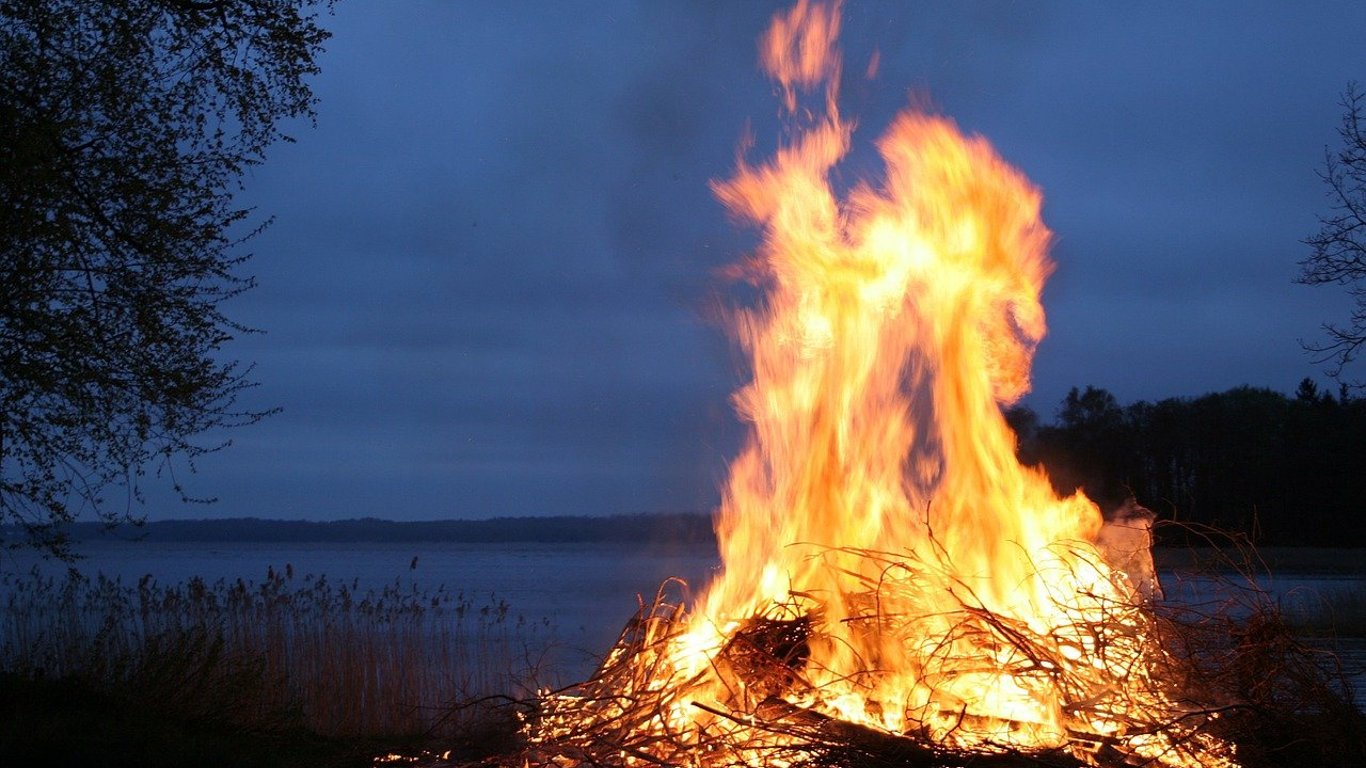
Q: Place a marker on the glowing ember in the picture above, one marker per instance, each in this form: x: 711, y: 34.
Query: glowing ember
x: 893, y: 578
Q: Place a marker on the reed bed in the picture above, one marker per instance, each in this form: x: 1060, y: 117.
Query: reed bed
x: 284, y: 652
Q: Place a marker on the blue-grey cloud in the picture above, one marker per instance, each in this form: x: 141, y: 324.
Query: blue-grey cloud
x: 488, y: 288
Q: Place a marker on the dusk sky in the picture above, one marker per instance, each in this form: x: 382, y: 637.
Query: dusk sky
x: 488, y: 288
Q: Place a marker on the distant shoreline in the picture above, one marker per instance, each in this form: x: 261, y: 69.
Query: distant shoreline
x: 686, y: 528
x: 671, y: 527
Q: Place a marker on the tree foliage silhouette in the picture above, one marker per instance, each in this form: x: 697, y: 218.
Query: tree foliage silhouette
x: 125, y: 128
x: 1338, y: 250
x: 1281, y: 469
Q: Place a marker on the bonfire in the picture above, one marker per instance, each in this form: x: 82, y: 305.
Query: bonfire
x: 895, y: 586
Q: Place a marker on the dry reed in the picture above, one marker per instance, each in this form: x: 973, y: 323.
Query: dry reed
x: 332, y: 658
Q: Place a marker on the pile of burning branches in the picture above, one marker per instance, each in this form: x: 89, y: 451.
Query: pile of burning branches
x: 1245, y: 688
x: 754, y: 703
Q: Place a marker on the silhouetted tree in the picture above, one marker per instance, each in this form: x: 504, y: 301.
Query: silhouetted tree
x: 1307, y: 391
x: 1238, y: 460
x: 1338, y: 249
x: 1090, y: 447
x: 125, y: 126
x: 1165, y: 481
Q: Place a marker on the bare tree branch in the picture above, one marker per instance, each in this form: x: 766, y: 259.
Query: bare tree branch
x: 1338, y: 250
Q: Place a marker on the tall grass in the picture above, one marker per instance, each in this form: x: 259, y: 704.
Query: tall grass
x: 332, y: 658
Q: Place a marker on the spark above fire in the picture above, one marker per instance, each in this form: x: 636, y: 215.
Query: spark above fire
x: 893, y: 578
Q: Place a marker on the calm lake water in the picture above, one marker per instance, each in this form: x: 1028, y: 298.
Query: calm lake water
x: 587, y: 591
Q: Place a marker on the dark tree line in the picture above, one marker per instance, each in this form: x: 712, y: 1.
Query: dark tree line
x: 1281, y: 469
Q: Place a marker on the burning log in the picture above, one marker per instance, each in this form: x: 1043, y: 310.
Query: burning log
x: 833, y: 742
x: 767, y: 656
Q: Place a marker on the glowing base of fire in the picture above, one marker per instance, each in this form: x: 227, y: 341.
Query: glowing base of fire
x: 989, y: 688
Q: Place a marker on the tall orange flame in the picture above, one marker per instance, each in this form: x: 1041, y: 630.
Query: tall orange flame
x: 949, y: 592
x: 895, y: 325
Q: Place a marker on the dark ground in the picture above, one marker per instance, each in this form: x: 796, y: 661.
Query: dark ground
x: 73, y: 724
